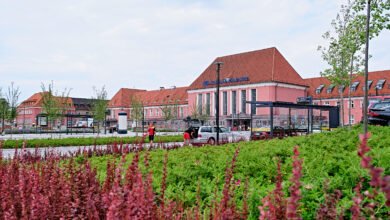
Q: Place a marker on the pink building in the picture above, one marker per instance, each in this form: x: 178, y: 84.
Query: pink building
x: 324, y: 93
x: 166, y: 107
x: 262, y: 75
x: 31, y: 110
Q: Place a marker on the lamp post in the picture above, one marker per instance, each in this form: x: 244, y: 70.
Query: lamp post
x: 219, y: 64
x: 143, y: 118
x: 366, y: 68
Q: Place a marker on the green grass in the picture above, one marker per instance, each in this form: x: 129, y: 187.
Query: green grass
x: 51, y: 142
x: 327, y: 156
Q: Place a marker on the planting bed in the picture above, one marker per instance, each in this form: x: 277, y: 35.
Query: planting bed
x: 322, y: 178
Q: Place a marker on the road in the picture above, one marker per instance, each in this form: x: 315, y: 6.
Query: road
x: 9, y: 153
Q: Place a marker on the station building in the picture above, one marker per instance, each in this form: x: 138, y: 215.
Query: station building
x: 261, y: 75
x: 31, y: 110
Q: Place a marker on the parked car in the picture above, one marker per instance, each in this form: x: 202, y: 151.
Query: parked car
x: 379, y: 114
x: 208, y: 135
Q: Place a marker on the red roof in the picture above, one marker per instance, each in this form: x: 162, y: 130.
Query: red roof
x: 314, y: 83
x: 267, y: 65
x: 37, y: 99
x: 122, y: 97
x: 176, y: 95
x: 34, y: 101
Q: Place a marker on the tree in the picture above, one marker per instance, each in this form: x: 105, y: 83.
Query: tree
x: 12, y: 98
x: 54, y: 104
x: 4, y: 109
x: 137, y: 111
x: 99, y: 105
x: 379, y: 11
x: 200, y: 112
x: 343, y: 45
x: 169, y: 111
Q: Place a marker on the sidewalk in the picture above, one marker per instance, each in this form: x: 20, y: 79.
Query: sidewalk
x: 82, y: 135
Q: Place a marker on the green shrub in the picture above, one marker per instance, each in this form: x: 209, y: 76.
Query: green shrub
x: 327, y: 156
x: 85, y: 141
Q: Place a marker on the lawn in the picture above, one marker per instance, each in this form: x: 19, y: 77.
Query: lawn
x: 55, y: 142
x: 329, y: 156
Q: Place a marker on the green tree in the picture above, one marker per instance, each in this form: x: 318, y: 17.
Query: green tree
x: 12, y: 98
x: 54, y: 104
x: 170, y: 111
x: 200, y: 112
x: 99, y: 105
x: 373, y: 16
x: 4, y: 109
x: 137, y: 111
x: 341, y: 52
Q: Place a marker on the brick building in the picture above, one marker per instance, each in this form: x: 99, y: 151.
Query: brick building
x: 261, y: 75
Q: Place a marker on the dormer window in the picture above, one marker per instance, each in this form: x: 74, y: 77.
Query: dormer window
x: 330, y: 89
x: 341, y: 88
x: 354, y: 86
x: 319, y: 89
x: 380, y: 83
x: 369, y: 82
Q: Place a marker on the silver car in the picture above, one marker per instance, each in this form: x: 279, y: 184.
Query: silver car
x: 208, y: 135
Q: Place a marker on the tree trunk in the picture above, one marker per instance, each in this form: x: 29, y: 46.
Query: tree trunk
x: 342, y: 107
x: 349, y: 94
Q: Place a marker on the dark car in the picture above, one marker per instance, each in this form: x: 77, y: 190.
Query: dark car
x: 379, y: 114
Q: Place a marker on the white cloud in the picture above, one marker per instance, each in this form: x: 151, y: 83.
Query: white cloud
x: 147, y: 44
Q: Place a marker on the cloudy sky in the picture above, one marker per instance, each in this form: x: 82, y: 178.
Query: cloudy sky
x: 146, y: 44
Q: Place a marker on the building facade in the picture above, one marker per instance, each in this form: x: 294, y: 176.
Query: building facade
x: 261, y: 75
x: 325, y: 93
x: 30, y: 113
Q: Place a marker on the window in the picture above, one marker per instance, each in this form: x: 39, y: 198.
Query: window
x: 352, y: 104
x: 208, y: 104
x: 338, y: 103
x: 206, y: 129
x: 352, y: 119
x: 224, y: 103
x: 369, y: 82
x: 354, y: 86
x: 379, y: 84
x: 330, y: 89
x: 200, y: 104
x: 181, y: 112
x: 243, y: 101
x: 151, y: 112
x: 215, y: 103
x: 341, y: 88
x: 319, y: 88
x: 234, y: 102
x: 326, y: 103
x: 253, y: 98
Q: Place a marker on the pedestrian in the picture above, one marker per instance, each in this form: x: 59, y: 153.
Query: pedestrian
x: 151, y: 133
x: 187, y: 138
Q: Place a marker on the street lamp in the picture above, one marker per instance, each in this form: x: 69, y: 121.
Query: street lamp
x: 219, y: 64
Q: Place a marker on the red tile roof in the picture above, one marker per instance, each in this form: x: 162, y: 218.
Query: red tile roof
x: 37, y: 99
x: 314, y: 83
x: 34, y: 101
x: 122, y: 97
x: 267, y: 65
x: 176, y: 95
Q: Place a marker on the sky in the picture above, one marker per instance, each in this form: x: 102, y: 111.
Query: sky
x: 81, y: 44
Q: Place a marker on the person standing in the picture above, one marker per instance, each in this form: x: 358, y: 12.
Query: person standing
x: 151, y: 133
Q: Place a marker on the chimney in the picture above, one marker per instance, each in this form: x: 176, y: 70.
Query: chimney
x: 161, y: 87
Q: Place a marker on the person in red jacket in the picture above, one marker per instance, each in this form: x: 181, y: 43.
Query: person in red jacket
x: 151, y: 133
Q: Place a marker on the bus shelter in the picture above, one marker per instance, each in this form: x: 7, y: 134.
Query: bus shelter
x: 280, y: 119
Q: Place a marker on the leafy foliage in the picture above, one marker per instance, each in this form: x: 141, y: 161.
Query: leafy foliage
x: 52, y: 142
